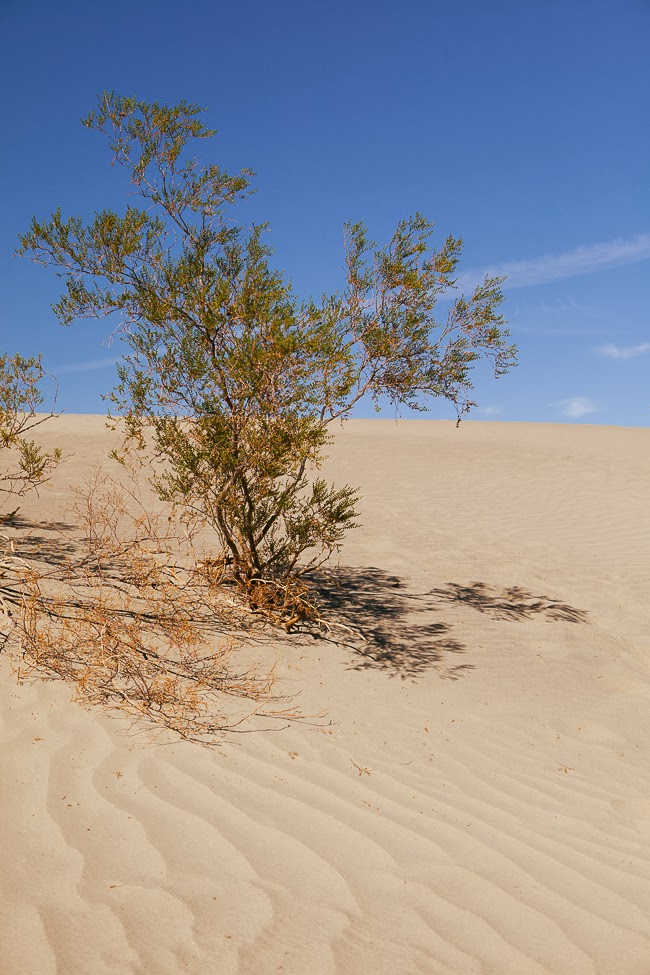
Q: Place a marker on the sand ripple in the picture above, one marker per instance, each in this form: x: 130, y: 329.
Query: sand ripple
x: 493, y: 820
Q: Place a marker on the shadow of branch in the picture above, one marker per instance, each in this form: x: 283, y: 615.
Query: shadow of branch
x: 512, y: 603
x: 43, y: 541
x: 389, y: 627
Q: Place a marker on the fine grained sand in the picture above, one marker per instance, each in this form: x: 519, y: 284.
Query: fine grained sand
x: 480, y: 802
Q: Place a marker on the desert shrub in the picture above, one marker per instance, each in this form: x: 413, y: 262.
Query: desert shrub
x: 232, y: 382
x: 24, y: 466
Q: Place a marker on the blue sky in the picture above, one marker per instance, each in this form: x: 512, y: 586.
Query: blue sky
x: 521, y: 126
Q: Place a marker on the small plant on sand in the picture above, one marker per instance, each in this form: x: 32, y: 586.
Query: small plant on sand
x: 232, y: 382
x: 24, y: 465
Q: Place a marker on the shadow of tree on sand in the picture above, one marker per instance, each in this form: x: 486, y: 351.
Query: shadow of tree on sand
x: 387, y: 626
x: 512, y: 603
x: 37, y: 540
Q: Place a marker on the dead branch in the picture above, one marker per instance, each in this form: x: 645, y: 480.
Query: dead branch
x: 135, y: 620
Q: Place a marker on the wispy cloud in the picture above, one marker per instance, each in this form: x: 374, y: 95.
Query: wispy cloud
x: 543, y: 330
x: 489, y: 410
x: 612, y: 351
x: 88, y: 366
x: 568, y: 264
x: 552, y: 307
x: 576, y: 406
x: 562, y: 306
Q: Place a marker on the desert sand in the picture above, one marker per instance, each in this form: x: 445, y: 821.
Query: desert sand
x: 476, y: 800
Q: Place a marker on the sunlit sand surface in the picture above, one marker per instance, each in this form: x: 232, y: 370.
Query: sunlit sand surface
x: 476, y: 800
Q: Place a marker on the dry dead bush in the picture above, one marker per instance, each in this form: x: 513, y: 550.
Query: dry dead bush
x: 289, y: 603
x: 137, y: 620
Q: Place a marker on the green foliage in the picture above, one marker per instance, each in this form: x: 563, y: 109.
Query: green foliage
x: 236, y: 378
x: 20, y: 397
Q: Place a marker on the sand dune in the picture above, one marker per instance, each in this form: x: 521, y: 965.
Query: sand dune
x: 477, y: 800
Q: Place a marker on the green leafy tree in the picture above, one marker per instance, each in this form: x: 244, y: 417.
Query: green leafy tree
x: 230, y: 378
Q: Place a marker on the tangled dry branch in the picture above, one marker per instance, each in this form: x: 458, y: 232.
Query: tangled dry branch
x: 136, y: 619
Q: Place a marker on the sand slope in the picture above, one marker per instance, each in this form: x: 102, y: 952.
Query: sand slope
x: 480, y: 802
